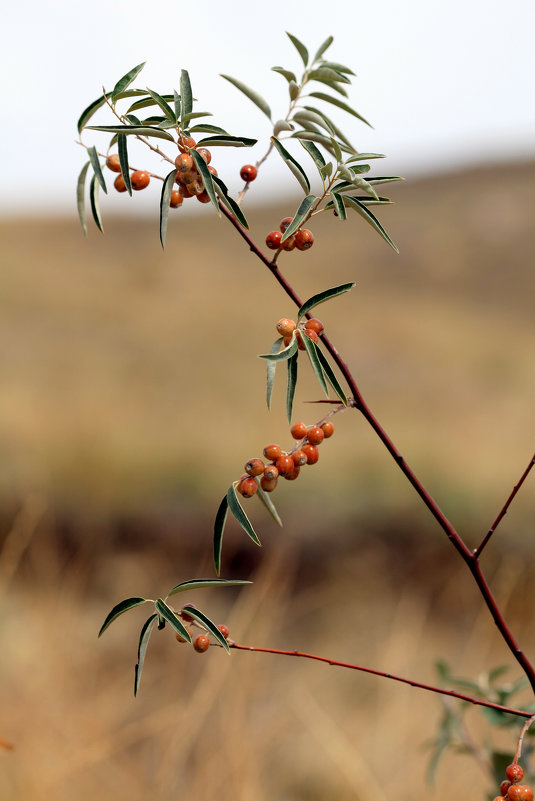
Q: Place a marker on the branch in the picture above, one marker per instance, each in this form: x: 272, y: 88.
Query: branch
x: 348, y: 665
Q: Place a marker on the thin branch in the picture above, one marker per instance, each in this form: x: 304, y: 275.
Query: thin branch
x: 504, y: 509
x: 348, y: 665
x: 525, y: 728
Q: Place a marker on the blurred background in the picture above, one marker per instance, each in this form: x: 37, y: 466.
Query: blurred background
x: 132, y: 395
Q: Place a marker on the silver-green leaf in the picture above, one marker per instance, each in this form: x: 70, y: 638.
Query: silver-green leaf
x: 123, y: 161
x: 198, y: 584
x: 253, y: 96
x: 228, y: 201
x: 219, y: 528
x: 126, y: 80
x: 323, y: 47
x: 268, y: 503
x: 300, y: 215
x: 339, y: 205
x: 321, y: 297
x: 311, y: 349
x: 144, y: 636
x: 208, y: 624
x: 94, y: 188
x: 80, y: 196
x: 164, y: 105
x: 206, y: 176
x: 167, y: 613
x: 271, y: 367
x: 95, y: 163
x: 371, y: 219
x: 288, y: 74
x: 291, y: 384
x: 293, y: 165
x: 299, y: 46
x: 133, y: 130
x: 331, y: 377
x: 236, y: 508
x: 119, y: 609
x: 186, y: 94
x: 165, y: 200
x: 282, y: 355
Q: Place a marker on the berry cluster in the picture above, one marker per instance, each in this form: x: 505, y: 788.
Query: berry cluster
x: 139, y: 178
x: 284, y: 463
x: 311, y: 328
x: 510, y: 789
x: 201, y: 642
x: 303, y: 239
x: 188, y: 177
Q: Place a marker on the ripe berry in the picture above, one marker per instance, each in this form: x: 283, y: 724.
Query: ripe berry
x: 315, y: 435
x: 176, y: 199
x: 285, y: 327
x: 140, y: 179
x: 311, y: 334
x: 179, y: 638
x: 119, y: 184
x: 314, y: 325
x: 268, y: 484
x: 504, y: 786
x: 196, y: 187
x: 304, y: 239
x: 212, y: 170
x: 247, y: 487
x: 201, y: 643
x: 113, y: 163
x: 272, y: 452
x: 187, y: 142
x: 300, y: 343
x: 328, y: 429
x: 286, y: 341
x: 184, y: 191
x: 224, y: 630
x: 184, y: 162
x: 520, y: 792
x: 205, y: 154
x: 271, y: 472
x: 284, y: 464
x: 299, y: 458
x: 514, y: 772
x: 298, y: 430
x: 289, y: 244
x: 284, y: 223
x: 188, y: 177
x: 185, y: 615
x: 312, y: 453
x: 273, y: 240
x: 248, y: 172
x: 204, y: 197
x: 294, y: 473
x: 254, y: 467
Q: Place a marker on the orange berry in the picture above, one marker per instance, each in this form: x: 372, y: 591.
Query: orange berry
x: 176, y: 199
x: 185, y: 615
x: 113, y: 163
x: 520, y: 792
x: 179, y: 638
x: 285, y: 327
x: 268, y: 484
x: 285, y: 464
x: 196, y: 187
x: 314, y: 324
x: 499, y: 798
x: 205, y: 154
x: 311, y: 334
x: 312, y: 453
x: 299, y: 457
x: 514, y: 772
x: 286, y: 341
x: 247, y: 487
x: 204, y: 197
x: 188, y: 177
x: 254, y: 467
x: 212, y: 170
x: 289, y: 244
x: 140, y: 179
x: 248, y: 172
x: 184, y: 162
x: 315, y: 435
x: 119, y: 184
x: 298, y: 430
x: 294, y: 473
x: 271, y: 472
x: 300, y: 343
x: 272, y: 452
x: 284, y: 223
x: 186, y: 142
x: 504, y: 786
x: 184, y: 191
x: 328, y: 429
x: 273, y: 240
x: 201, y: 643
x: 304, y: 239
x: 224, y: 630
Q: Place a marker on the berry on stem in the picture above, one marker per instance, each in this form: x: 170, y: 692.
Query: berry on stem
x: 504, y: 786
x: 113, y: 163
x: 271, y: 472
x: 272, y: 452
x: 293, y: 474
x: 312, y: 453
x: 205, y: 154
x: 176, y: 199
x: 311, y: 334
x: 268, y: 484
x: 201, y: 643
x: 273, y: 240
x: 328, y: 429
x: 284, y: 223
x: 519, y: 792
x: 514, y: 772
x: 204, y: 197
x: 140, y: 179
x: 285, y: 465
x: 314, y: 325
x: 224, y: 630
x: 286, y: 327
x: 315, y: 435
x: 304, y: 239
x: 247, y: 487
x: 184, y: 163
x: 289, y: 244
x: 299, y: 457
x: 119, y: 184
x: 248, y: 172
x: 254, y: 467
x: 298, y: 430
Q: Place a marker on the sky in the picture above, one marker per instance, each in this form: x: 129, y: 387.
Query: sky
x: 445, y: 85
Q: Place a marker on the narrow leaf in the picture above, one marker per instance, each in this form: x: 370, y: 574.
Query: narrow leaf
x: 337, y: 148
x: 323, y: 74
x: 88, y: 112
x: 123, y: 161
x: 299, y: 46
x: 206, y: 128
x: 282, y: 355
x: 270, y: 506
x: 136, y: 130
x: 282, y: 125
x: 146, y: 631
x: 206, y: 176
x: 186, y: 94
x: 193, y: 115
x: 208, y: 624
x: 253, y: 96
x: 133, y: 120
x: 219, y: 528
x: 323, y: 47
x: 94, y: 188
x: 167, y: 613
x: 288, y: 74
x: 198, y: 584
x: 236, y: 508
x: 148, y: 101
x: 177, y: 103
x: 229, y: 141
x: 304, y: 116
x: 385, y: 180
x: 118, y: 609
x: 321, y: 297
x: 331, y: 126
x: 80, y: 196
x: 334, y: 65
x: 300, y: 215
x: 331, y: 377
x: 229, y: 202
x: 365, y: 157
x: 293, y: 164
x: 95, y: 163
x: 126, y: 80
x: 164, y: 105
x: 271, y: 367
x: 291, y: 385
x: 370, y: 218
x: 293, y: 90
x: 311, y: 148
x: 326, y: 141
x: 311, y: 349
x: 165, y: 200
x: 339, y: 205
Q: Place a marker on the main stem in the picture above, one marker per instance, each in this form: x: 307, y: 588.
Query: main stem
x: 470, y: 558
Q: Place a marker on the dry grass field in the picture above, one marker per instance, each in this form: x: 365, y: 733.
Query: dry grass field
x: 132, y: 396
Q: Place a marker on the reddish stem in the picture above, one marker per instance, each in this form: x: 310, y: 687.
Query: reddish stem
x: 469, y: 557
x: 411, y: 682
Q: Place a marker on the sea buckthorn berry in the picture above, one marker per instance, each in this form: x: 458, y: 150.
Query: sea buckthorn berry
x: 184, y: 191
x: 286, y: 327
x: 119, y: 184
x: 196, y: 187
x: 268, y: 484
x: 315, y: 435
x: 304, y: 239
x: 499, y: 798
x: 284, y: 464
x: 184, y: 162
x: 273, y: 240
x: 299, y: 458
x: 298, y: 430
x: 504, y: 786
x: 520, y: 792
x: 312, y: 453
x: 247, y: 487
x: 254, y: 467
x: 311, y: 334
x: 204, y: 197
x: 176, y: 199
x: 328, y: 429
x: 286, y: 341
x: 289, y: 244
x: 113, y: 163
x: 272, y: 452
x: 180, y: 638
x: 185, y: 615
x: 284, y: 223
x: 212, y: 170
x: 205, y: 154
x: 300, y: 343
x: 224, y: 630
x: 140, y: 179
x: 201, y: 643
x: 314, y: 325
x: 248, y: 172
x: 293, y: 475
x: 514, y: 772
x: 271, y: 472
x: 188, y: 177
x: 187, y: 142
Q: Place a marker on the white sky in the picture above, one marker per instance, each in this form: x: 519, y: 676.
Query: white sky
x: 444, y: 83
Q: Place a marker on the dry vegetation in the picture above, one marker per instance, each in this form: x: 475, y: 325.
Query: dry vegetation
x: 120, y: 419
